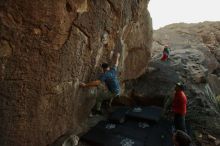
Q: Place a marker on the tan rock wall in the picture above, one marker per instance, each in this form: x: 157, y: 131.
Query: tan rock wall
x: 48, y: 47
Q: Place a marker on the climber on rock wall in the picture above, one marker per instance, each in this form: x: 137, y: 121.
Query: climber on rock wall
x: 109, y: 78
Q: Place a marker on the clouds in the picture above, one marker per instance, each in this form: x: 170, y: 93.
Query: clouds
x: 166, y: 12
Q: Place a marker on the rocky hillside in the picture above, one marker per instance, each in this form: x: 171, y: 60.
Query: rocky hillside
x: 194, y: 60
x: 48, y: 47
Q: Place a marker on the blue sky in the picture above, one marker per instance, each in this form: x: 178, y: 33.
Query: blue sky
x: 165, y: 12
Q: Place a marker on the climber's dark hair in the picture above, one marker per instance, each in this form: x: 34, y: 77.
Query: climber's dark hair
x: 182, y: 138
x: 105, y: 65
x: 181, y: 85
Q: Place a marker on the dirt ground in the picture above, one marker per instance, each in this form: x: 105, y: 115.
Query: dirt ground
x: 204, y: 138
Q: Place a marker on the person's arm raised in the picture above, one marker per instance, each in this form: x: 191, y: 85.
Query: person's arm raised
x: 90, y: 84
x: 117, y: 60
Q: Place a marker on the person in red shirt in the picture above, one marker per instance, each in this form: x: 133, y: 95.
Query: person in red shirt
x: 166, y: 53
x: 179, y: 107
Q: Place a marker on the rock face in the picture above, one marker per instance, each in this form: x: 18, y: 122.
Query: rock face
x: 48, y: 47
x: 194, y: 60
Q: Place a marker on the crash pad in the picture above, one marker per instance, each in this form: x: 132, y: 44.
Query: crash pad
x: 119, y: 115
x: 150, y: 114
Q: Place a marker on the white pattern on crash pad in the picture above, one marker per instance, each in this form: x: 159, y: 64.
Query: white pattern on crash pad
x: 137, y: 110
x: 143, y: 125
x: 110, y: 126
x: 127, y: 142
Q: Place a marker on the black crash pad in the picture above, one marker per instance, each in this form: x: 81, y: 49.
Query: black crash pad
x: 137, y: 130
x: 152, y: 113
x: 134, y: 130
x: 96, y: 137
x: 120, y: 140
x: 102, y: 137
x: 109, y: 134
x: 161, y: 134
x: 119, y: 115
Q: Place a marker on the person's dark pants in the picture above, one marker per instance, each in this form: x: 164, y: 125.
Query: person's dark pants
x: 179, y: 122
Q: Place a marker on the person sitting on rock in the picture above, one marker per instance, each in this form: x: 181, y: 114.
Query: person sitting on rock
x: 180, y: 138
x: 166, y: 53
x: 109, y: 77
x: 179, y: 107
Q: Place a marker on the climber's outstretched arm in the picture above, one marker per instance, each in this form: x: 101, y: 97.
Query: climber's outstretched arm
x: 90, y: 84
x: 116, y: 63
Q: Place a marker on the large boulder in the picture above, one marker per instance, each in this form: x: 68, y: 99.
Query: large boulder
x: 48, y: 47
x: 194, y: 61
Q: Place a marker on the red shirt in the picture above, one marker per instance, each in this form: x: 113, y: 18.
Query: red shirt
x: 179, y: 103
x: 164, y: 57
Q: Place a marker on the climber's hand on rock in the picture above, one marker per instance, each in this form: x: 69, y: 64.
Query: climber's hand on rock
x: 82, y: 85
x: 118, y: 55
